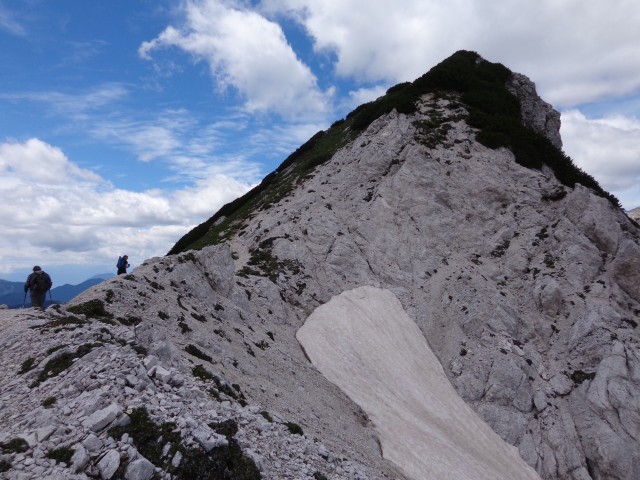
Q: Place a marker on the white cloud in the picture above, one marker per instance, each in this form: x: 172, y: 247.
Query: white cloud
x: 8, y: 23
x: 574, y: 54
x: 72, y: 105
x: 364, y: 95
x: 608, y: 149
x: 38, y: 163
x: 247, y: 52
x: 54, y: 211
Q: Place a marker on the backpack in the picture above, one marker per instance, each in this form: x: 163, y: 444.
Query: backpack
x: 122, y: 263
x: 40, y: 282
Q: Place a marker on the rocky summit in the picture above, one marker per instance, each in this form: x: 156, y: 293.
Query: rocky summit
x: 428, y: 289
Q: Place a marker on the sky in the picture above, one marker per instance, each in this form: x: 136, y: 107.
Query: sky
x: 123, y: 124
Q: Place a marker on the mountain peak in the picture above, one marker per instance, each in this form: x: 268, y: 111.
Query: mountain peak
x: 460, y: 245
x: 502, y: 107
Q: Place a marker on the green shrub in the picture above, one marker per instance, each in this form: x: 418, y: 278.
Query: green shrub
x: 61, y: 455
x: 27, y: 365
x: 267, y: 416
x: 49, y: 401
x: 129, y: 321
x: 196, y: 352
x: 579, y: 376
x: 15, y: 445
x: 92, y: 309
x: 294, y: 428
x: 151, y: 439
x: 59, y: 364
x: 200, y: 372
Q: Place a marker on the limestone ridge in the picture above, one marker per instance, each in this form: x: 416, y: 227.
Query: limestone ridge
x: 520, y: 271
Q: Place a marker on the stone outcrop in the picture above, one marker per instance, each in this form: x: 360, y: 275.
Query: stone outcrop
x: 536, y: 113
x: 526, y: 290
x: 634, y: 214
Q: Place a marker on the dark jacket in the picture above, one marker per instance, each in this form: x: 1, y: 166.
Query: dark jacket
x: 38, y: 285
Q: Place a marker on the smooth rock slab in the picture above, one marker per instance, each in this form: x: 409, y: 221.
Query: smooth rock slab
x: 364, y: 342
x: 100, y: 419
x: 140, y: 469
x: 108, y: 464
x: 208, y: 439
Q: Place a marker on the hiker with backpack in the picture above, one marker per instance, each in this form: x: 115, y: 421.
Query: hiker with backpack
x: 38, y: 283
x: 122, y: 264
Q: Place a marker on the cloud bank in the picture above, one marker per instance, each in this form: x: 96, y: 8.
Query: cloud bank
x: 72, y: 216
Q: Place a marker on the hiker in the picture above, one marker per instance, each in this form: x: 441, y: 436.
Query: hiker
x: 39, y: 283
x: 122, y: 264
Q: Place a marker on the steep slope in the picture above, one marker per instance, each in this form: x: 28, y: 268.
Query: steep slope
x: 519, y: 270
x: 525, y: 285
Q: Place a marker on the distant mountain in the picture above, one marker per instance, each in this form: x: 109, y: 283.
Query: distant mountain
x: 12, y: 293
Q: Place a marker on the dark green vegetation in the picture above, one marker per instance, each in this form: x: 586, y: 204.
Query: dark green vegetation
x: 196, y: 352
x: 15, y: 445
x: 92, y: 309
x: 27, y: 365
x: 267, y: 416
x: 579, y: 376
x: 61, y: 455
x: 60, y: 363
x: 264, y: 263
x: 479, y: 85
x: 222, y: 463
x: 294, y: 428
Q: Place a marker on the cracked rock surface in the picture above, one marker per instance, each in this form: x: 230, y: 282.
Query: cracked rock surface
x: 526, y: 290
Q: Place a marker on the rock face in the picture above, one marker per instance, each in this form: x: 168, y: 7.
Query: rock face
x: 525, y: 288
x: 634, y: 214
x: 536, y: 113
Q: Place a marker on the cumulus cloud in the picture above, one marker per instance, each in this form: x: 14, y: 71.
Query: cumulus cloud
x: 245, y: 51
x: 53, y: 209
x: 607, y: 148
x: 574, y: 54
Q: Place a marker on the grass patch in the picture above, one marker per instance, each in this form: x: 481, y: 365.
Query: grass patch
x: 55, y: 349
x: 91, y: 309
x: 151, y: 439
x: 27, y: 365
x: 202, y: 373
x: 59, y: 364
x: 263, y: 263
x: 15, y: 445
x: 579, y: 376
x: 293, y: 428
x: 267, y: 416
x: 49, y: 401
x: 61, y: 455
x: 129, y: 321
x: 196, y: 352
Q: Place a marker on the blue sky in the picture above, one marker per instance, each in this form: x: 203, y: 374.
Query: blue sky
x: 125, y: 123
